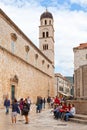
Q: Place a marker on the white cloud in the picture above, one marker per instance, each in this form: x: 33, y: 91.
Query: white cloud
x: 80, y: 2
x: 70, y: 29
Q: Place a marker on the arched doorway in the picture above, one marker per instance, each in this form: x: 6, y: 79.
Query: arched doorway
x: 12, y: 92
x: 14, y: 84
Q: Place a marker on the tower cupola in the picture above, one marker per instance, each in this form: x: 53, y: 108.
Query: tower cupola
x: 46, y: 14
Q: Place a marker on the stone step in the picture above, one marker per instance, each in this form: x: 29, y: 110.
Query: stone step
x: 79, y: 116
x: 76, y: 120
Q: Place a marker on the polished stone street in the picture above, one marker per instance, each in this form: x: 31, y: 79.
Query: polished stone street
x: 38, y: 121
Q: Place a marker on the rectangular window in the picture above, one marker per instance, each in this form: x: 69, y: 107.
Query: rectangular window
x: 26, y: 56
x: 12, y: 47
x: 86, y: 56
x: 61, y: 88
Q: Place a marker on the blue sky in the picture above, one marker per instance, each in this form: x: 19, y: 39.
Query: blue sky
x: 70, y: 24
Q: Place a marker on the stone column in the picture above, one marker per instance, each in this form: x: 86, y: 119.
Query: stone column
x: 75, y: 84
x: 81, y: 83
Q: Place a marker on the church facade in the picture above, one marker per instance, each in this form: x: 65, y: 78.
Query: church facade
x: 26, y: 70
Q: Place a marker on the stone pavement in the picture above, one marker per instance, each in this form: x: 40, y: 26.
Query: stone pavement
x: 38, y: 121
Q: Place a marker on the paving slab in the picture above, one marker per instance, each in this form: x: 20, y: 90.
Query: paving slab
x: 38, y: 121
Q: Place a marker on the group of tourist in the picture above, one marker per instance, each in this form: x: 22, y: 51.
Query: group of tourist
x: 22, y: 107
x: 64, y: 111
x: 59, y: 107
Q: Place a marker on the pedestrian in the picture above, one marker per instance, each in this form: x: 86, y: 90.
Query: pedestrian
x: 56, y: 100
x: 15, y: 110
x: 29, y: 102
x: 71, y: 113
x: 44, y: 102
x: 7, y: 104
x: 38, y: 104
x: 21, y: 105
x: 48, y: 101
x: 26, y: 111
x: 52, y: 102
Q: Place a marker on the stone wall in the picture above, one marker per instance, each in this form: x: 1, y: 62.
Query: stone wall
x: 80, y: 82
x: 80, y: 105
x: 31, y: 81
x: 80, y: 58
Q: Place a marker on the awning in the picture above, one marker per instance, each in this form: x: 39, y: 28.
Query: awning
x: 64, y: 94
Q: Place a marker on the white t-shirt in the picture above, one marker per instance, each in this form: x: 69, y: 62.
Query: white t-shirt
x: 73, y: 111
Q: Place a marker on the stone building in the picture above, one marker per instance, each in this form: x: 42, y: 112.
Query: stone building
x: 80, y: 71
x: 80, y: 78
x: 26, y: 70
x: 62, y: 86
x: 71, y: 80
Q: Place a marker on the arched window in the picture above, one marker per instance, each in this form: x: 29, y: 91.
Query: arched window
x: 50, y: 22
x: 47, y: 34
x: 27, y: 48
x: 45, y: 22
x: 43, y: 34
x: 45, y: 47
x: 13, y: 38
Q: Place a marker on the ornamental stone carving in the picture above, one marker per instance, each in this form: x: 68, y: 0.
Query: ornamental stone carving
x: 48, y: 66
x: 13, y: 36
x: 14, y: 79
x: 36, y: 56
x: 27, y: 48
x: 43, y: 61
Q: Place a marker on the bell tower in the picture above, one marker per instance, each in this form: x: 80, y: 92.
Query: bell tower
x: 46, y: 35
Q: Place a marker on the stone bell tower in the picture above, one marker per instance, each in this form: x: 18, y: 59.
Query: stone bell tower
x: 46, y: 35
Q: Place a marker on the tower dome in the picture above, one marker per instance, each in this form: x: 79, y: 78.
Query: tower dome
x: 46, y: 14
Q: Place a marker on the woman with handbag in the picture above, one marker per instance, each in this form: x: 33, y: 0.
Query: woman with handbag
x: 26, y: 111
x: 15, y: 110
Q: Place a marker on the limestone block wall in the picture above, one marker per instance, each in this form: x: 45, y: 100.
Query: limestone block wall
x: 80, y: 82
x: 80, y: 58
x: 31, y: 81
x: 80, y: 105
